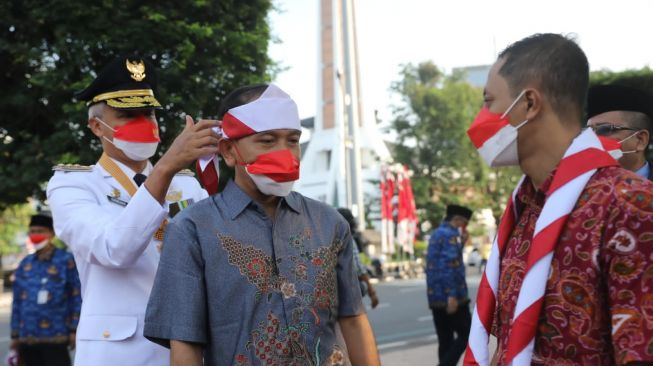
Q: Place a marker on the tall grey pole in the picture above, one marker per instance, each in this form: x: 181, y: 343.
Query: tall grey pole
x: 352, y: 105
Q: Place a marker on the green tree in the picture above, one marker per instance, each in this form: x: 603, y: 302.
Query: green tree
x: 13, y: 220
x: 431, y: 124
x: 50, y: 49
x: 636, y: 78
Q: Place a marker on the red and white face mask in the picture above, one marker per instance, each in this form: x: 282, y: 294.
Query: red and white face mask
x: 39, y: 241
x: 138, y: 138
x: 612, y: 146
x: 273, y: 173
x: 494, y: 137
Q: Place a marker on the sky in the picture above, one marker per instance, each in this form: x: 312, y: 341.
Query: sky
x: 615, y: 35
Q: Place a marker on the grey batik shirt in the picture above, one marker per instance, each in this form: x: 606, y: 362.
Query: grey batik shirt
x: 253, y: 291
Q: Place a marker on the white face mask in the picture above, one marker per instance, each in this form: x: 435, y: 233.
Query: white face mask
x: 507, y: 137
x: 41, y: 245
x: 137, y: 151
x: 270, y: 187
x: 510, y: 155
x: 500, y: 149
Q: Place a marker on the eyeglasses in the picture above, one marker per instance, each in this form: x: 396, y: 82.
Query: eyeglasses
x: 609, y: 129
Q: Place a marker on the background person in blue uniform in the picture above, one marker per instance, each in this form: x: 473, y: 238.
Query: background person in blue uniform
x: 46, y: 302
x: 446, y: 286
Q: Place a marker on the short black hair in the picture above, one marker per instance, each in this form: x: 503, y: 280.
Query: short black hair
x: 554, y: 61
x: 638, y: 120
x: 240, y: 96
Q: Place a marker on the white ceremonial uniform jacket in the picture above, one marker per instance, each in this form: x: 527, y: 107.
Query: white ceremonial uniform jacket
x: 111, y: 237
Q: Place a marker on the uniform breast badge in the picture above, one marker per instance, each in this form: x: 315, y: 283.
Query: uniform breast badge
x: 114, y: 197
x: 174, y: 196
x: 175, y: 207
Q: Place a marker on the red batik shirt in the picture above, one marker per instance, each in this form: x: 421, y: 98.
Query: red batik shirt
x: 598, y: 305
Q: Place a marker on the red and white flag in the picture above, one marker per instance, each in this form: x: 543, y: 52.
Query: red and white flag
x: 407, y: 216
x: 387, y: 208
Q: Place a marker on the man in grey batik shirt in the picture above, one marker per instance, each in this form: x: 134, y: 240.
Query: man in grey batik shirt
x: 260, y: 275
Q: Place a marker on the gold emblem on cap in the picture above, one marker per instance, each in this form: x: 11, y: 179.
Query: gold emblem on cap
x: 137, y: 70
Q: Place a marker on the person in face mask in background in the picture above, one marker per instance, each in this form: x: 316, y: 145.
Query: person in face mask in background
x: 259, y: 274
x: 565, y: 283
x: 446, y: 287
x: 46, y: 302
x: 626, y: 115
x: 113, y: 215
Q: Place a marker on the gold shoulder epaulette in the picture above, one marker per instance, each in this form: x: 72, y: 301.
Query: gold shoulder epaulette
x: 72, y: 168
x: 186, y: 172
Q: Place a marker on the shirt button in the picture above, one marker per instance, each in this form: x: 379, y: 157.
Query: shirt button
x: 106, y: 334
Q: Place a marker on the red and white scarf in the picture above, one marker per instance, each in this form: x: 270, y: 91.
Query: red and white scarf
x: 581, y: 160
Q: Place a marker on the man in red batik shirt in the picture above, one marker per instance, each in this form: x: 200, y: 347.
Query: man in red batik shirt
x: 570, y: 275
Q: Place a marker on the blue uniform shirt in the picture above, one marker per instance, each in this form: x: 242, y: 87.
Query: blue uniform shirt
x: 251, y: 290
x: 54, y: 317
x: 445, y: 270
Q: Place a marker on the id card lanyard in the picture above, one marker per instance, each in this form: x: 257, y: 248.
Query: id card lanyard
x: 42, y: 296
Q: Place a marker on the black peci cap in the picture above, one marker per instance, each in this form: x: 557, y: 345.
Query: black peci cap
x: 455, y: 210
x: 41, y: 220
x: 608, y: 98
x: 125, y: 83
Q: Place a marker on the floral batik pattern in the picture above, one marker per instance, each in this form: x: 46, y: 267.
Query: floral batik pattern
x: 311, y: 288
x: 597, y: 308
x: 254, y: 264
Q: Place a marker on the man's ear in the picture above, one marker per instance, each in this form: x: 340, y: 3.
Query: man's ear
x: 95, y: 126
x: 643, y: 139
x: 534, y: 103
x: 226, y: 149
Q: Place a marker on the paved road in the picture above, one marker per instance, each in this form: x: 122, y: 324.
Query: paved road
x: 402, y: 320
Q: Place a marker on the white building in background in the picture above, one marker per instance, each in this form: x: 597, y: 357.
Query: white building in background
x: 342, y: 158
x: 342, y: 150
x: 475, y: 75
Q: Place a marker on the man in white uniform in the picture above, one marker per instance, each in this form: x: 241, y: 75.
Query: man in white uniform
x: 113, y: 214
